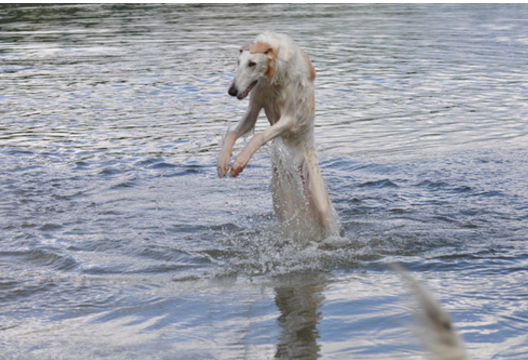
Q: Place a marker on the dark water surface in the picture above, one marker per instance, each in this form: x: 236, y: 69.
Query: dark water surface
x: 117, y: 240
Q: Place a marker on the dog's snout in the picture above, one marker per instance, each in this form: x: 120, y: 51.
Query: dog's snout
x: 233, y: 91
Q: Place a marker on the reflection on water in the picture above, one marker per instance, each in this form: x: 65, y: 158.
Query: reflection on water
x: 118, y: 241
x: 299, y: 315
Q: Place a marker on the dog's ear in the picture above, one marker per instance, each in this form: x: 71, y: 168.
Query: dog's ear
x: 261, y: 47
x: 245, y: 47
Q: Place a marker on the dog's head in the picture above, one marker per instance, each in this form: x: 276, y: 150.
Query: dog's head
x: 256, y: 62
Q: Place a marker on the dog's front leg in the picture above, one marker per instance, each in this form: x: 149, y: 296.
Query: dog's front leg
x: 284, y: 124
x: 244, y: 126
x: 222, y: 164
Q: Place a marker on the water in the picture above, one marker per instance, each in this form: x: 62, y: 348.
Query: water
x: 118, y: 241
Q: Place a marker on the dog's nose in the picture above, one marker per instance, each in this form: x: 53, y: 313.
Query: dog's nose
x: 232, y: 90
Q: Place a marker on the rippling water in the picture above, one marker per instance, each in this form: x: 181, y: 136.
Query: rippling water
x: 118, y: 241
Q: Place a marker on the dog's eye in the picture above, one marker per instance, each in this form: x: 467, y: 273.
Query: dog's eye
x: 252, y: 64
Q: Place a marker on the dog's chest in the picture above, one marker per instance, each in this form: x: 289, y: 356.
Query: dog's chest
x: 273, y: 112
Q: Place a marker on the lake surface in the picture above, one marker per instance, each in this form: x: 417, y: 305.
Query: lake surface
x: 118, y: 241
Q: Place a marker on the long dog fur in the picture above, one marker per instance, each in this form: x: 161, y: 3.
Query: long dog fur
x: 279, y: 77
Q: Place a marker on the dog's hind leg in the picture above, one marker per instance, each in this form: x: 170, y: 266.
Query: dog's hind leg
x: 318, y: 196
x: 282, y: 196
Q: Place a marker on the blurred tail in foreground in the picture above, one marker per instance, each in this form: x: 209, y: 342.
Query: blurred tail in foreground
x: 434, y: 324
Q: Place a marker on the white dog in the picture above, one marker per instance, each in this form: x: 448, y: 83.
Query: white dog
x: 279, y: 76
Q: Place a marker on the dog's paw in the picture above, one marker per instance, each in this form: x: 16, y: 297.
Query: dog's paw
x: 236, y: 169
x: 239, y: 165
x: 222, y: 165
x: 221, y: 171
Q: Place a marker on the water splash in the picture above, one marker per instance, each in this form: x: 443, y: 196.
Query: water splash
x: 291, y: 199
